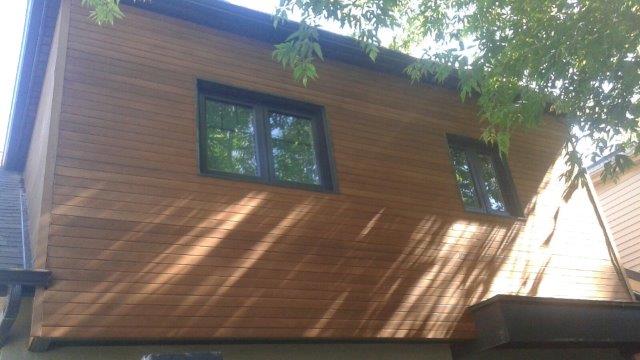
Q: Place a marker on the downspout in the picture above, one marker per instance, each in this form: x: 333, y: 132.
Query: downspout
x: 10, y: 312
x: 26, y: 240
x: 15, y: 280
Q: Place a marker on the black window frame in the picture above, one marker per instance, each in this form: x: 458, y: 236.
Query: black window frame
x: 472, y: 148
x: 262, y: 105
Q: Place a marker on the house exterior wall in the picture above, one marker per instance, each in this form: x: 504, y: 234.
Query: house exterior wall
x: 621, y: 205
x: 142, y: 247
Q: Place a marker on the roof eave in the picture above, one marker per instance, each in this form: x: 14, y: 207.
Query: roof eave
x: 260, y: 26
x: 36, y: 44
x: 41, y: 21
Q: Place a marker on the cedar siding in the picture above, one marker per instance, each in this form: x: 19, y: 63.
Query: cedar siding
x: 620, y: 201
x: 143, y: 247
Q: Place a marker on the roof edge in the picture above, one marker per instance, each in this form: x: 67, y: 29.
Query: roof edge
x: 39, y: 25
x: 259, y: 26
x: 527, y: 299
x: 42, y: 17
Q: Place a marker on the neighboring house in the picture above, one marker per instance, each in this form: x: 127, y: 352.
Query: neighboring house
x: 620, y: 202
x: 188, y: 196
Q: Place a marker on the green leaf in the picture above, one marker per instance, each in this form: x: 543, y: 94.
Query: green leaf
x: 318, y: 50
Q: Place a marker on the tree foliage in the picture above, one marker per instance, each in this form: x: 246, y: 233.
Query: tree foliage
x: 519, y: 59
x: 104, y: 11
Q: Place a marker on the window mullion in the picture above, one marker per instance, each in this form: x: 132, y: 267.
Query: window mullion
x: 474, y: 166
x: 263, y: 143
x: 506, y: 186
x: 202, y: 133
x: 319, y: 151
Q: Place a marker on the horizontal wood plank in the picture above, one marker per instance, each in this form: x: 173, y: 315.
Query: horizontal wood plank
x: 143, y: 247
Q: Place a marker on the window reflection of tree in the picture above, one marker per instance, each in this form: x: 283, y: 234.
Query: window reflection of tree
x: 293, y: 149
x: 231, y: 138
x: 477, y: 178
x: 464, y: 179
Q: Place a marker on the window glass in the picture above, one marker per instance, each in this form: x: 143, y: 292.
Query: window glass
x: 483, y: 179
x: 294, y: 156
x: 464, y: 179
x: 230, y: 138
x: 491, y: 184
x: 251, y: 136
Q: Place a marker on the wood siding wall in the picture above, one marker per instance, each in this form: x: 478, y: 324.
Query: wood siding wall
x: 142, y: 247
x: 621, y: 204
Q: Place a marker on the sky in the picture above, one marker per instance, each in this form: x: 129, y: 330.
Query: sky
x: 11, y: 25
x: 267, y: 6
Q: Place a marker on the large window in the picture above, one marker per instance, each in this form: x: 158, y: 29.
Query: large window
x: 253, y: 136
x: 483, y: 179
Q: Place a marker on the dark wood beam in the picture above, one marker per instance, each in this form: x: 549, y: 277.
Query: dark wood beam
x: 507, y: 321
x: 35, y: 278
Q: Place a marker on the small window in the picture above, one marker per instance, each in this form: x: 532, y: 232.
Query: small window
x: 483, y: 179
x: 253, y: 136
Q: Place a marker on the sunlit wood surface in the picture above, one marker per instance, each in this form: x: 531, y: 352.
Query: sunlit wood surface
x: 143, y: 247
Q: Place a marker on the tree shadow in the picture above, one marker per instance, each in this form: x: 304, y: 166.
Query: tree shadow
x: 142, y: 248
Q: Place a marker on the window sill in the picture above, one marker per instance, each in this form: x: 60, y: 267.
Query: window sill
x: 505, y: 216
x: 257, y: 180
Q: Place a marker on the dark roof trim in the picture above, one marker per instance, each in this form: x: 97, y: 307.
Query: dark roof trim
x: 211, y: 355
x: 549, y: 301
x: 599, y: 164
x: 259, y: 26
x: 35, y: 278
x: 515, y: 321
x: 36, y: 43
x: 633, y: 275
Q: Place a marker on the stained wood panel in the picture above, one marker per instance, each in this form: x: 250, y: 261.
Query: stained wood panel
x: 143, y: 247
x: 621, y: 204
